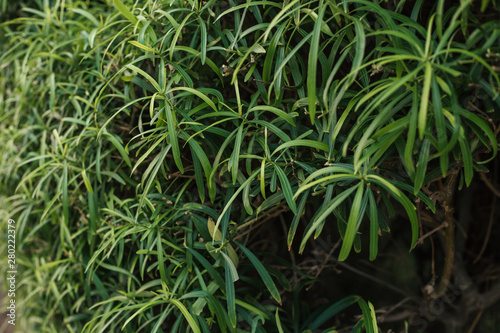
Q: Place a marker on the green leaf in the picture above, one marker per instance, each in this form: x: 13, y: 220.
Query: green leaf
x: 410, y: 140
x: 266, y: 278
x: 203, y: 36
x: 280, y: 113
x: 360, y: 50
x: 86, y: 181
x: 313, y: 62
x: 247, y: 5
x: 325, y: 181
x: 323, y: 214
x: 125, y: 12
x: 197, y: 93
x: 186, y: 314
x: 422, y: 166
x: 161, y: 265
x: 231, y: 277
x: 278, y: 321
x: 200, y: 153
x: 116, y: 142
x: 210, y: 269
x: 51, y: 264
x: 302, y: 142
x: 352, y: 223
x: 369, y: 316
x: 217, y: 236
x: 374, y: 226
x: 145, y: 75
x: 229, y: 203
x: 235, y: 155
x: 172, y: 134
x: 65, y: 202
x: 483, y: 126
x: 296, y: 219
x: 287, y: 189
x: 332, y: 310
x: 263, y: 178
x: 142, y: 46
x: 271, y: 49
x: 407, y: 204
x: 466, y: 157
x: 424, y: 100
x: 214, y: 305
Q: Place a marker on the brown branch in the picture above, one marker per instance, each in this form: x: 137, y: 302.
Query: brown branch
x: 401, y: 316
x: 247, y: 88
x: 327, y: 258
x: 421, y: 239
x: 433, y: 262
x: 488, y: 232
x: 489, y: 184
x: 476, y: 320
x: 268, y: 216
x: 490, y: 297
x: 449, y: 255
x: 376, y: 280
x: 181, y: 174
x: 267, y: 82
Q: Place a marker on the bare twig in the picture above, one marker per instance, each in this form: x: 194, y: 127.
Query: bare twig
x: 328, y: 258
x: 401, y: 316
x: 267, y: 82
x: 252, y: 221
x: 433, y: 262
x: 398, y: 317
x: 376, y: 280
x: 421, y: 239
x: 476, y: 320
x: 488, y: 231
x: 489, y: 184
x: 490, y: 297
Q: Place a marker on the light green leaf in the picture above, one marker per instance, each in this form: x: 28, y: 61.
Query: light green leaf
x: 280, y: 113
x: 302, y: 142
x: 352, y: 223
x: 86, y: 181
x: 186, y: 314
x: 424, y: 100
x: 125, y: 12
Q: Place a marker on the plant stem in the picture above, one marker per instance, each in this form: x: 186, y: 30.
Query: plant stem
x: 449, y: 256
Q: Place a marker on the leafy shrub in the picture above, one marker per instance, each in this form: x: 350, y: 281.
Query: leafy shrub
x: 144, y: 143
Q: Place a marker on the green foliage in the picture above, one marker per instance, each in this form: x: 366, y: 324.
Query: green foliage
x: 140, y: 140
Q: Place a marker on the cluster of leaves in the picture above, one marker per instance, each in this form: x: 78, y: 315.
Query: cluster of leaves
x: 142, y: 142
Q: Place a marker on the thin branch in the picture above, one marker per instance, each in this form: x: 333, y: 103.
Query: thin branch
x: 379, y: 281
x: 476, y: 320
x: 489, y: 184
x: 399, y: 317
x: 421, y: 239
x: 490, y: 297
x: 433, y: 261
x: 385, y: 317
x: 488, y: 231
x: 252, y: 221
x: 328, y: 258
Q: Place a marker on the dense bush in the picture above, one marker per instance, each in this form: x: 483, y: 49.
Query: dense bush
x: 154, y: 153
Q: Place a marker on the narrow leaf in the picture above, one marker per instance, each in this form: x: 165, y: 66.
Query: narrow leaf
x: 352, y: 223
x: 266, y: 278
